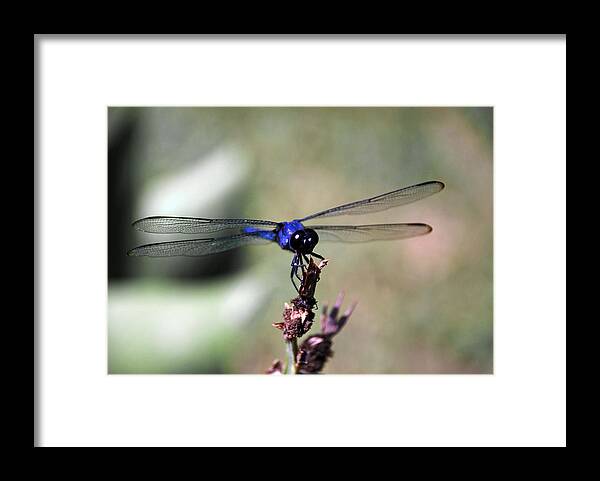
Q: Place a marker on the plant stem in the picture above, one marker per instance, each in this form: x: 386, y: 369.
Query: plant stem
x: 292, y: 352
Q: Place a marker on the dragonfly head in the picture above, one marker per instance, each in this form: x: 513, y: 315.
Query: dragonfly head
x: 304, y: 241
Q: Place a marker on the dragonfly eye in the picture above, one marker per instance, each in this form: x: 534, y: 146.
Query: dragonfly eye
x: 297, y: 241
x: 311, y: 239
x: 304, y: 241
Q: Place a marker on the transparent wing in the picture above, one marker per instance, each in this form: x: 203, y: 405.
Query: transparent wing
x: 381, y: 202
x: 197, y: 247
x: 366, y: 233
x: 195, y: 225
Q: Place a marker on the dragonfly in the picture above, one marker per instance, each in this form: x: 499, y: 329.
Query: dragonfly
x: 293, y: 236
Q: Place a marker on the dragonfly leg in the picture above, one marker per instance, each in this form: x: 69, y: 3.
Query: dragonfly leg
x: 318, y: 256
x: 292, y: 279
x: 299, y: 264
x: 296, y: 262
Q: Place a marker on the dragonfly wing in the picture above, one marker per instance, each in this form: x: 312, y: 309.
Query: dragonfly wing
x: 381, y: 202
x: 197, y: 247
x: 366, y: 233
x: 195, y: 225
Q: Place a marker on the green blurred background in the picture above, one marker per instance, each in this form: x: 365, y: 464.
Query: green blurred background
x: 424, y: 304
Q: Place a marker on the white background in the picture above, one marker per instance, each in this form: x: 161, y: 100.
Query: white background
x: 523, y: 403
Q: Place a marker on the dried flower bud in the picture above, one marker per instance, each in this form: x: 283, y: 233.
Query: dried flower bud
x: 276, y: 367
x: 310, y: 277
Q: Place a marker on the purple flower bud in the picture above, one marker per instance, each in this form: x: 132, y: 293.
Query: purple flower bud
x: 313, y: 354
x: 276, y: 367
x: 315, y: 350
x: 330, y: 324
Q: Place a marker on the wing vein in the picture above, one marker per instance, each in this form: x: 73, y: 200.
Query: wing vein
x: 381, y: 202
x: 370, y: 232
x: 197, y: 247
x: 195, y: 225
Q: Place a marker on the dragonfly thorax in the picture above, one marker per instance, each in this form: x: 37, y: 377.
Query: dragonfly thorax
x: 295, y: 237
x: 304, y: 241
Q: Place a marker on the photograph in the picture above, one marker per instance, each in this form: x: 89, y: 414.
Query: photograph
x: 369, y: 214
x: 300, y: 240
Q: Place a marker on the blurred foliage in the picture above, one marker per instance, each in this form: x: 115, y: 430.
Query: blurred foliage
x: 425, y: 304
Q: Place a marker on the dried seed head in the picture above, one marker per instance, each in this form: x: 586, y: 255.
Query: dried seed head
x: 298, y: 316
x: 297, y: 321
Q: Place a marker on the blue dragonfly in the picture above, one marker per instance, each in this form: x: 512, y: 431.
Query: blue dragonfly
x: 291, y: 236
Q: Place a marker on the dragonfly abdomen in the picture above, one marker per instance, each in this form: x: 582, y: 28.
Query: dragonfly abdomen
x: 265, y: 234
